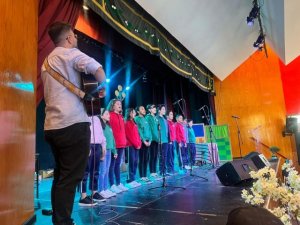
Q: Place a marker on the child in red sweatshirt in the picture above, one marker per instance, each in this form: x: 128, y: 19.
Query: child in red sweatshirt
x: 181, y: 141
x: 172, y: 141
x: 118, y: 127
x: 134, y: 143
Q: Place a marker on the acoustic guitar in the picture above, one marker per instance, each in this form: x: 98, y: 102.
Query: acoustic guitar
x: 94, y: 92
x: 91, y: 91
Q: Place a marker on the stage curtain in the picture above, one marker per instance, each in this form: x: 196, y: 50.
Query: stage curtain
x: 49, y: 12
x: 134, y: 23
x: 211, y: 101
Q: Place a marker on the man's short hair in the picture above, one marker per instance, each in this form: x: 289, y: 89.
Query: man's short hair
x: 57, y: 29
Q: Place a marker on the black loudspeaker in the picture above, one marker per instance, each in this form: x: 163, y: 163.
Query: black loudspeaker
x: 250, y: 155
x: 232, y: 173
x: 259, y: 160
x: 291, y: 124
x: 297, y: 142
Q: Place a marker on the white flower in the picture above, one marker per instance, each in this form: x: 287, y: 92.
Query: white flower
x: 287, y: 195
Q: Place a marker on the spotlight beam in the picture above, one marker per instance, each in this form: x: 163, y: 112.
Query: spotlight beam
x: 117, y: 72
x: 129, y: 86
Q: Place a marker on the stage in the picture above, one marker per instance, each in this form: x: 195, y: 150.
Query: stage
x: 202, y: 202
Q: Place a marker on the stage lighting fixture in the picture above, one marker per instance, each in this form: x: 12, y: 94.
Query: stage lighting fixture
x: 85, y: 7
x: 107, y: 80
x: 127, y: 88
x: 144, y: 77
x: 253, y: 14
x: 259, y: 42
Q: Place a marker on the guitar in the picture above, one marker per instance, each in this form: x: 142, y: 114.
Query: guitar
x: 93, y: 94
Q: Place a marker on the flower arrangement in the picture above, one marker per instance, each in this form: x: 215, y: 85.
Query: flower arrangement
x: 286, y: 194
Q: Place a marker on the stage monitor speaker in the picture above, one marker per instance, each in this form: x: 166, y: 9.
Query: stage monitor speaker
x: 232, y: 173
x: 250, y: 155
x: 259, y: 160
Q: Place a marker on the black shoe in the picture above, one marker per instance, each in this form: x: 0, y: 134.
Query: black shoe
x: 87, y: 201
x: 98, y: 198
x: 47, y: 212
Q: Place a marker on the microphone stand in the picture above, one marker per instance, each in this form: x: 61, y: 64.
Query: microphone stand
x: 211, y: 136
x: 184, y: 107
x: 191, y: 170
x: 239, y: 135
x: 182, y: 110
x: 163, y: 160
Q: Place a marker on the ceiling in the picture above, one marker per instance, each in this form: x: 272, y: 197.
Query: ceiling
x: 216, y: 33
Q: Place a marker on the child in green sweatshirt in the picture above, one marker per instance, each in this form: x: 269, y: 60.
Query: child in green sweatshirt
x: 110, y: 152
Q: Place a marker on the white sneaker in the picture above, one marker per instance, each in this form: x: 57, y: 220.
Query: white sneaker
x: 147, y: 180
x: 122, y: 187
x: 142, y: 180
x: 154, y: 176
x: 115, y: 189
x: 104, y: 194
x: 136, y: 184
x: 187, y: 167
x: 157, y: 177
x: 130, y: 185
x: 110, y: 193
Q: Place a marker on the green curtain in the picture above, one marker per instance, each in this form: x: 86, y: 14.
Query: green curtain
x: 133, y: 22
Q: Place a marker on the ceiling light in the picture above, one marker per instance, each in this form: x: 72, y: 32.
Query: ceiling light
x: 144, y: 77
x: 260, y: 41
x: 85, y: 7
x: 253, y: 14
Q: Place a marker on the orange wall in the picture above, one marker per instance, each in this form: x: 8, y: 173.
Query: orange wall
x: 254, y: 93
x: 18, y: 63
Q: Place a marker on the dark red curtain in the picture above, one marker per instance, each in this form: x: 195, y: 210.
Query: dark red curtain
x: 211, y: 101
x: 49, y: 12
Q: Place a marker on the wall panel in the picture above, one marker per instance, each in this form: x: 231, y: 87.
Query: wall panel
x: 290, y: 75
x: 254, y: 93
x: 18, y: 58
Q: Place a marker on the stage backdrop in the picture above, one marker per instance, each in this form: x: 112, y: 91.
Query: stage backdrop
x: 18, y: 62
x: 220, y: 136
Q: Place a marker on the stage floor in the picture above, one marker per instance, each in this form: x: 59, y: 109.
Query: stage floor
x: 202, y: 202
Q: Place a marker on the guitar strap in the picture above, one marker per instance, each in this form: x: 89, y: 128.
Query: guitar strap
x: 65, y: 82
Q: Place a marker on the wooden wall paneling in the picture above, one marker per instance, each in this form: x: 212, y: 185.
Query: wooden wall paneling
x: 18, y: 62
x: 254, y: 93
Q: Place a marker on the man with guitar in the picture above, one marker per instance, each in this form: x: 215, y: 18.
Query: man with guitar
x: 67, y: 127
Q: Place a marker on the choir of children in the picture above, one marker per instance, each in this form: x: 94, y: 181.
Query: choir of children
x: 147, y: 139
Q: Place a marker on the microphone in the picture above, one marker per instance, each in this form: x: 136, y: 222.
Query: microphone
x: 202, y: 107
x: 235, y: 117
x: 177, y: 101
